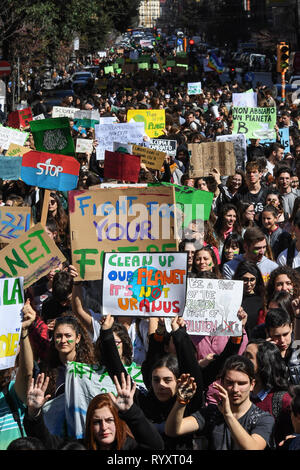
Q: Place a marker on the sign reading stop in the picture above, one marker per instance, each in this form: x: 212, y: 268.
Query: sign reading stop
x: 5, y: 68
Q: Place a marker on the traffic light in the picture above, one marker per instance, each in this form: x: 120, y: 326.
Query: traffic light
x: 191, y: 44
x: 282, y: 57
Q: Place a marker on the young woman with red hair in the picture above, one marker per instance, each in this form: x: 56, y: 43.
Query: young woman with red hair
x: 112, y: 423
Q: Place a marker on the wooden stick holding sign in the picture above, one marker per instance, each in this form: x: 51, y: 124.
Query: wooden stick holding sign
x: 45, y: 207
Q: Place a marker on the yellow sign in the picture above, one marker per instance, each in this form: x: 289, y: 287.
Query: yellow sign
x: 154, y: 119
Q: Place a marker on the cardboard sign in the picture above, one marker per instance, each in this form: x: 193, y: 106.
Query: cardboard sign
x: 107, y: 134
x: 121, y: 166
x: 31, y: 256
x: 14, y: 222
x: 9, y: 135
x: 11, y: 304
x: 209, y: 155
x: 152, y: 158
x: 255, y: 123
x: 15, y: 150
x: 19, y: 118
x: 240, y: 147
x: 53, y: 135
x: 10, y: 167
x: 84, y: 382
x: 84, y: 145
x: 50, y: 171
x: 211, y: 307
x: 194, y: 88
x: 125, y: 220
x: 154, y: 120
x: 144, y: 284
x: 167, y: 146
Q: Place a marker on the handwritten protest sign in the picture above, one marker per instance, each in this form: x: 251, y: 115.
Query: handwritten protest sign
x: 144, y: 284
x: 31, y: 256
x: 194, y: 88
x: 63, y: 111
x: 108, y: 120
x: 209, y: 155
x: 211, y: 307
x: 84, y: 382
x: 154, y: 120
x: 153, y: 159
x: 9, y: 135
x: 15, y: 150
x: 164, y: 145
x: 124, y: 220
x: 240, y: 147
x: 53, y: 135
x: 84, y: 145
x: 39, y: 117
x: 14, y: 222
x: 10, y: 167
x: 11, y: 304
x: 284, y: 134
x: 255, y: 123
x: 107, y: 134
x: 50, y: 171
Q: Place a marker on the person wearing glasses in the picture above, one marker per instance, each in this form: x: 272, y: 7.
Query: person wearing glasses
x: 253, y: 293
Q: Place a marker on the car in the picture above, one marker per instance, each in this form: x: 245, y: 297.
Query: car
x: 82, y: 79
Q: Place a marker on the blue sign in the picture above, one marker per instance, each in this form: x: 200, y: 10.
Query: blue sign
x: 179, y: 42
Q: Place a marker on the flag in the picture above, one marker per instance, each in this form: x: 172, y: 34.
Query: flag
x: 215, y: 63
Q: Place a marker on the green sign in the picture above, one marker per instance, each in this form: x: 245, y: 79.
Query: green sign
x: 255, y: 123
x: 53, y: 136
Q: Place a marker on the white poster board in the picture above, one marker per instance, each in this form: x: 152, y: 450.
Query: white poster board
x: 144, y: 284
x: 12, y: 302
x: 107, y: 134
x: 212, y: 305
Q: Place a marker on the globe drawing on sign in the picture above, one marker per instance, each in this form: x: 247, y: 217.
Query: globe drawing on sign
x: 139, y: 118
x: 54, y: 139
x: 150, y: 293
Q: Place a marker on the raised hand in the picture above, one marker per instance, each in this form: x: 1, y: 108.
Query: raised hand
x: 29, y: 315
x: 36, y: 395
x: 126, y: 391
x: 222, y: 399
x: 186, y: 387
x: 107, y: 322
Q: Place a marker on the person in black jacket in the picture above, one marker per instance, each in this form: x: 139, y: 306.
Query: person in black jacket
x: 112, y: 423
x: 161, y: 369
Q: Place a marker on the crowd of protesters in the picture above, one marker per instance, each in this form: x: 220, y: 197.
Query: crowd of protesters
x: 201, y: 392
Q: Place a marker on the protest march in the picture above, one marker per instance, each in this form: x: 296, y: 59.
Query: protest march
x: 150, y: 259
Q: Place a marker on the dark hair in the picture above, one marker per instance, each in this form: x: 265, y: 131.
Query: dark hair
x: 209, y: 250
x: 276, y: 317
x: 272, y: 209
x: 170, y: 361
x: 295, y: 403
x: 122, y: 332
x: 242, y: 206
x: 219, y: 225
x: 284, y: 301
x: 250, y: 267
x: 253, y: 235
x: 271, y: 368
x: 26, y: 443
x: 233, y: 238
x: 62, y: 285
x: 282, y: 169
x: 291, y: 273
x: 183, y: 242
x: 239, y: 363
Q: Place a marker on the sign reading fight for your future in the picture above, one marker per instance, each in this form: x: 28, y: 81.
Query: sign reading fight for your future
x: 144, y: 284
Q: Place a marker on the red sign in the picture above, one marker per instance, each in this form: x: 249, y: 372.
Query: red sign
x: 20, y: 118
x: 5, y: 68
x: 122, y: 166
